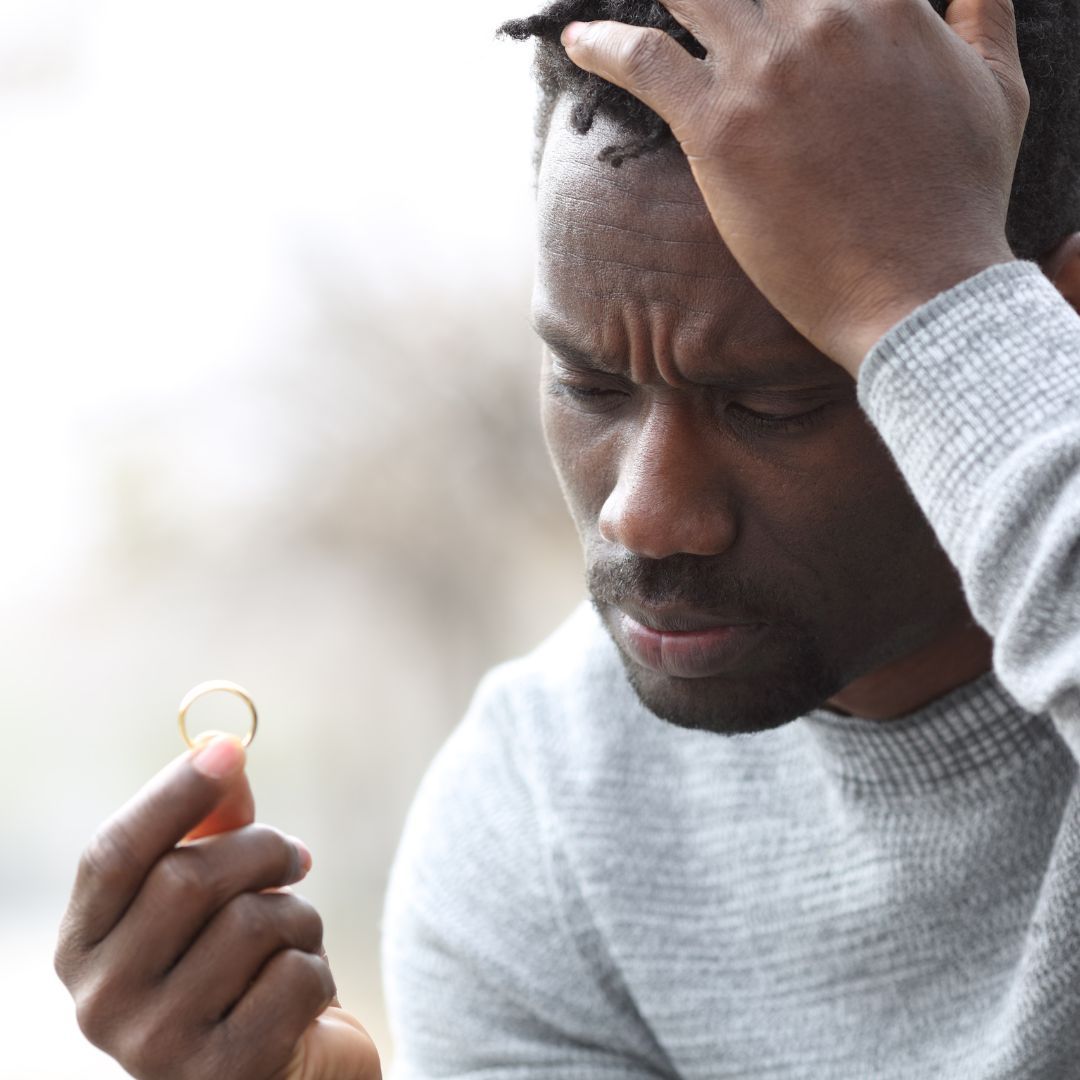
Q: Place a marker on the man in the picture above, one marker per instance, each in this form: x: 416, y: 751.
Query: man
x: 883, y: 880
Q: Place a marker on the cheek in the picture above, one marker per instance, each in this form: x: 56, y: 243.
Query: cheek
x: 581, y: 463
x: 839, y: 509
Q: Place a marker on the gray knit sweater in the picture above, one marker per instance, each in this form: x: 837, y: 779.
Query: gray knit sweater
x: 584, y: 891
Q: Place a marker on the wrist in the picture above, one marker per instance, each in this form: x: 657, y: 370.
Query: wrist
x: 849, y: 336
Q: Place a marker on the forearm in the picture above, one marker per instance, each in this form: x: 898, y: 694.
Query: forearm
x: 977, y: 396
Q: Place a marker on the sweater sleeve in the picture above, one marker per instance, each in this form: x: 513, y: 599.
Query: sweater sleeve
x: 977, y: 395
x: 483, y: 962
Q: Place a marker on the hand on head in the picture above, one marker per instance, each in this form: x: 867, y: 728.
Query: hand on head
x: 856, y: 156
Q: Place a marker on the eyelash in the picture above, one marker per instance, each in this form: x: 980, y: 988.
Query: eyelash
x: 766, y: 423
x: 769, y: 422
x: 583, y: 395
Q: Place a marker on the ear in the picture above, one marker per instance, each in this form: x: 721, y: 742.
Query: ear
x: 1062, y: 267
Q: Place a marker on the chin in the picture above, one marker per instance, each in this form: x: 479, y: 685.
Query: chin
x: 736, y: 704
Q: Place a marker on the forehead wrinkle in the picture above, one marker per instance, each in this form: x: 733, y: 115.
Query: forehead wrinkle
x: 662, y: 354
x: 559, y: 224
x: 597, y: 260
x: 606, y: 344
x: 627, y: 297
x: 631, y: 341
x: 565, y: 208
x: 607, y: 177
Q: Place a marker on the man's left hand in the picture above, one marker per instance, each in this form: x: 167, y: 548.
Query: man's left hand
x: 856, y: 155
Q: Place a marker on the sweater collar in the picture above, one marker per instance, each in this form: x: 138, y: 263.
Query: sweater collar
x: 976, y: 732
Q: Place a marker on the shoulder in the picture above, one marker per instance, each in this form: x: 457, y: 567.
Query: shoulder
x: 555, y: 726
x: 478, y: 903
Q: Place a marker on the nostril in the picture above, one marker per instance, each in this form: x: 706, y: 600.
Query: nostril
x: 661, y: 526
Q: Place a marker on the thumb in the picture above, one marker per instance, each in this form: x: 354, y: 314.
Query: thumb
x: 236, y: 807
x: 648, y: 63
x: 989, y: 27
x: 335, y: 1046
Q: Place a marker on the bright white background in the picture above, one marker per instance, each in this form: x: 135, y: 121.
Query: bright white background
x: 267, y: 414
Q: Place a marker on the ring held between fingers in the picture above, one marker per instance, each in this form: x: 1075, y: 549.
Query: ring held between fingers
x: 122, y: 852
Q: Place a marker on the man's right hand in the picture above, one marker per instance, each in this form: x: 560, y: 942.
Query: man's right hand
x: 857, y: 156
x: 186, y: 958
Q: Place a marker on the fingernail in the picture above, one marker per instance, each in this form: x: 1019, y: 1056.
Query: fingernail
x: 572, y: 32
x: 304, y: 852
x: 220, y: 757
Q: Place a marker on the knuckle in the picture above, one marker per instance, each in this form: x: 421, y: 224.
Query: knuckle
x: 90, y: 1018
x: 1021, y: 97
x: 267, y: 853
x: 143, y: 1055
x: 738, y: 123
x: 146, y: 1041
x: 833, y: 23
x: 638, y: 55
x: 771, y: 71
x: 309, y: 976
x: 157, y: 1047
x: 896, y: 14
x: 184, y: 873
x: 225, y: 1057
x: 108, y: 857
x: 274, y: 920
x: 827, y: 32
x: 283, y: 861
x: 250, y: 915
x: 65, y: 956
x: 308, y: 924
x: 98, y: 1008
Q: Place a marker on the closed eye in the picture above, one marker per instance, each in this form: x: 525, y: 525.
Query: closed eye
x: 595, y: 393
x: 777, y: 422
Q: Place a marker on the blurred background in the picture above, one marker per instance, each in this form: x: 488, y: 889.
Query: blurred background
x: 267, y: 414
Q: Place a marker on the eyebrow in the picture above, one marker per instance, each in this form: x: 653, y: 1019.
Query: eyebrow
x: 784, y: 371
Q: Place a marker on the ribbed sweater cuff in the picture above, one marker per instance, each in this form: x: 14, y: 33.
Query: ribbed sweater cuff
x: 966, y: 379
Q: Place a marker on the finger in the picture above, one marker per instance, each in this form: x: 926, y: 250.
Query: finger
x: 291, y: 990
x: 235, y: 810
x: 187, y: 886
x: 117, y: 860
x: 712, y: 23
x: 988, y: 26
x: 219, y: 967
x: 335, y: 1001
x: 335, y: 1046
x: 706, y: 21
x: 647, y: 63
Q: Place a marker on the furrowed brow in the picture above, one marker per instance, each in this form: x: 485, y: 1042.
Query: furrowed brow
x: 571, y: 352
x: 795, y: 372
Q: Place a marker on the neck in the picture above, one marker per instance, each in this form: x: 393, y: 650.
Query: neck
x: 906, y: 685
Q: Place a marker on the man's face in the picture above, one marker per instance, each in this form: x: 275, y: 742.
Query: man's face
x: 749, y: 543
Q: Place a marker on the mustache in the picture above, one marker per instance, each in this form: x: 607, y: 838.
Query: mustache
x: 695, y: 581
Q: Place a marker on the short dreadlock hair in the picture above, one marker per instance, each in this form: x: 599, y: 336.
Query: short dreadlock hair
x: 1045, y: 204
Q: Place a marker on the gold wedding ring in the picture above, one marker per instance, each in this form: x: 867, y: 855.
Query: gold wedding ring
x: 217, y: 686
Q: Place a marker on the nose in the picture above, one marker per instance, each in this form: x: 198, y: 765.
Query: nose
x: 670, y: 497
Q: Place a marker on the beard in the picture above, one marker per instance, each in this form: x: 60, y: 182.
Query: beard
x: 782, y: 680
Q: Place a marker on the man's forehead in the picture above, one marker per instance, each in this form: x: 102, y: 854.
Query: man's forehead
x: 646, y: 201
x: 630, y: 255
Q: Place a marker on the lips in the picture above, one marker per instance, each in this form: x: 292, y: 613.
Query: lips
x: 686, y: 644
